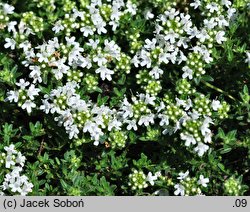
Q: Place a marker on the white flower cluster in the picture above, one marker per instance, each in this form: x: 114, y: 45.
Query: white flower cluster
x: 138, y: 180
x: 14, y: 181
x: 190, y: 186
x: 92, y: 21
x: 176, y: 40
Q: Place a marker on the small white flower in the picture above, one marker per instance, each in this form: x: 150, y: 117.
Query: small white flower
x: 26, y: 45
x: 212, y: 7
x: 20, y: 159
x: 182, y: 175
x: 10, y: 149
x: 203, y: 181
x: 227, y: 3
x: 146, y: 120
x: 10, y: 43
x: 187, y: 72
x: 131, y: 124
x: 189, y: 139
x: 22, y: 84
x: 149, y: 99
x: 28, y: 105
x: 216, y: 105
x: 247, y: 60
x: 201, y: 149
x: 13, y: 96
x: 148, y: 14
x: 46, y: 106
x: 35, y: 74
x: 105, y: 73
x: 203, y: 35
x: 11, y: 26
x: 220, y: 37
x: 156, y: 72
x: 73, y: 131
x: 196, y: 4
x: 151, y: 178
x: 58, y: 27
x: 150, y: 44
x: 180, y: 189
x: 32, y: 91
x: 93, y: 43
x: 8, y: 9
x: 164, y: 120
x: 87, y: 30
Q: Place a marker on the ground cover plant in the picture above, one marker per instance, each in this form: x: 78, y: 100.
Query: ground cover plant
x: 124, y: 97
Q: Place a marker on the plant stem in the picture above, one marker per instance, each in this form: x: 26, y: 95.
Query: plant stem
x: 218, y: 89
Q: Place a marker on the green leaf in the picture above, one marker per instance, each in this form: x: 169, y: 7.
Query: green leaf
x: 226, y: 150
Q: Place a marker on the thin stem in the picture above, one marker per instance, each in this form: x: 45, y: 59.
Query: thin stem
x: 218, y: 89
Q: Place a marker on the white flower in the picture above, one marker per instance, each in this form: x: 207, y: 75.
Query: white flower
x: 46, y: 106
x: 216, y: 105
x: 20, y: 159
x: 156, y: 72
x: 26, y: 45
x: 180, y: 189
x: 201, y: 149
x: 148, y: 14
x: 146, y: 120
x: 10, y: 149
x: 32, y: 91
x: 87, y: 30
x: 231, y: 11
x: 247, y: 60
x: 11, y: 26
x: 208, y: 137
x: 151, y: 178
x: 150, y: 44
x: 10, y: 43
x: 114, y: 124
x: 194, y: 115
x: 35, y: 74
x: 222, y: 21
x: 28, y: 105
x: 131, y: 8
x: 171, y: 36
x: 203, y: 35
x: 148, y: 99
x: 227, y: 3
x: 101, y: 28
x: 187, y: 72
x: 22, y: 83
x: 135, y: 60
x: 73, y: 131
x: 8, y: 9
x: 164, y: 120
x: 196, y: 4
x: 58, y: 27
x: 93, y: 43
x: 105, y: 73
x: 171, y: 13
x: 203, y: 181
x: 205, y: 126
x: 210, y: 24
x: 100, y: 59
x: 189, y: 139
x: 220, y: 37
x: 9, y: 161
x: 13, y: 96
x: 131, y: 124
x: 212, y: 7
x: 182, y: 175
